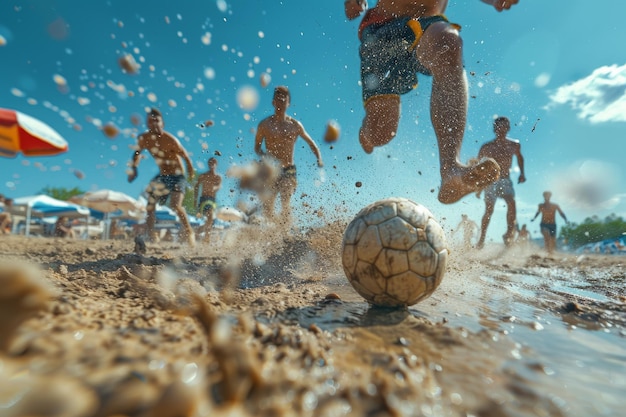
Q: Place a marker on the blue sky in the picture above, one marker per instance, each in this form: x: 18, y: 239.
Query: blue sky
x: 556, y: 72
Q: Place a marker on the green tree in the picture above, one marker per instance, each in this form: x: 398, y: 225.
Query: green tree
x: 593, y: 229
x: 188, y: 203
x: 61, y: 193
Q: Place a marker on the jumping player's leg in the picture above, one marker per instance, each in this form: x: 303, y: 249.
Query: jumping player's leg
x: 441, y: 51
x: 380, y: 124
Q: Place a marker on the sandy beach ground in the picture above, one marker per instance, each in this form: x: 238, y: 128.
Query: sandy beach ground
x: 255, y: 326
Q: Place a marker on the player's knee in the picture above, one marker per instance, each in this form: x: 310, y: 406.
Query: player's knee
x: 448, y: 50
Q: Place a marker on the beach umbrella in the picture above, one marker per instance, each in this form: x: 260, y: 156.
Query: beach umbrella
x: 20, y: 132
x: 110, y: 203
x: 45, y: 206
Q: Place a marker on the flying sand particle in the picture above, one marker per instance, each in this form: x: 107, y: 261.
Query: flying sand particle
x: 110, y: 130
x: 128, y: 64
x: 333, y: 131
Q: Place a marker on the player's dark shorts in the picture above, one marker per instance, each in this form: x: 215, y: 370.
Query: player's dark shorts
x: 287, y: 179
x: 549, y: 227
x: 207, y: 205
x: 389, y: 64
x: 161, y: 186
x: 502, y: 188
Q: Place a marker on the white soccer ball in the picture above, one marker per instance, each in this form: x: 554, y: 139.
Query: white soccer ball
x: 394, y: 253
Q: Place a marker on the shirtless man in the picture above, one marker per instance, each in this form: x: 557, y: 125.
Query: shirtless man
x: 400, y: 38
x: 548, y: 221
x: 469, y: 228
x: 502, y: 149
x: 170, y: 183
x: 204, y: 194
x: 280, y: 132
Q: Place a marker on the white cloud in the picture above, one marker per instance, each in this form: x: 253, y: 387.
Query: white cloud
x: 599, y: 97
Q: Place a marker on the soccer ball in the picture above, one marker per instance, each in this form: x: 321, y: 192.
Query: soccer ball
x: 394, y: 253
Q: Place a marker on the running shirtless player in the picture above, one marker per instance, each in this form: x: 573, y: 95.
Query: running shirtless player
x: 400, y: 38
x: 280, y: 132
x: 548, y: 212
x: 169, y: 156
x: 502, y: 149
x: 204, y: 195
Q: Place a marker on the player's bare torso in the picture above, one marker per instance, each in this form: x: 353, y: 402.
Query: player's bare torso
x: 280, y: 136
x: 210, y: 183
x: 548, y: 212
x: 502, y: 151
x: 165, y: 150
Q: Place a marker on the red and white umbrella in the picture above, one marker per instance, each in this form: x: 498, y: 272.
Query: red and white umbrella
x: 20, y: 132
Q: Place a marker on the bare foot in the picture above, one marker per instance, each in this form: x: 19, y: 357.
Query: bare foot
x: 365, y: 143
x: 468, y: 179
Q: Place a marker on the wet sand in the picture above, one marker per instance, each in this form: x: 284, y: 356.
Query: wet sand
x: 180, y: 332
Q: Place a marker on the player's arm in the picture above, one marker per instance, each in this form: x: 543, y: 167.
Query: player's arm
x: 183, y: 154
x: 561, y: 213
x: 312, y: 145
x: 520, y: 163
x: 354, y: 8
x: 536, y: 214
x: 500, y: 5
x: 258, y: 140
x: 136, y: 158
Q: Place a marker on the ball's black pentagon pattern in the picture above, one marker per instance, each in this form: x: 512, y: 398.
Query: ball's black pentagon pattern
x: 394, y: 253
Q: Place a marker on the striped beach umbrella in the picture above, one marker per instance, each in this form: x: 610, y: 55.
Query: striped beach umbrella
x: 21, y: 133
